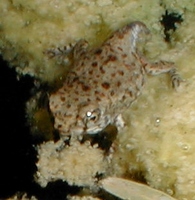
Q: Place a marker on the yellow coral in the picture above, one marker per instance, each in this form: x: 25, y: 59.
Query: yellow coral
x: 78, y: 164
x: 82, y: 198
x: 24, y: 197
x: 160, y: 142
x: 28, y: 28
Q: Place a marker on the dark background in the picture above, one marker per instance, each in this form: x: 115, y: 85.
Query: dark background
x: 17, y: 154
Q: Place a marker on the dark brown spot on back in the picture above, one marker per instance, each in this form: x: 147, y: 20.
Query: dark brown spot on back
x: 75, y: 79
x: 98, y: 51
x: 98, y: 99
x: 124, y: 55
x: 102, y: 70
x: 68, y: 106
x: 85, y: 88
x: 62, y: 98
x: 96, y: 92
x: 102, y: 94
x: 56, y: 106
x: 120, y: 72
x: 120, y: 35
x: 70, y: 85
x: 59, y: 126
x: 90, y: 72
x: 76, y: 92
x: 113, y: 75
x: 142, y: 83
x: 112, y: 93
x: 95, y: 82
x: 111, y: 37
x: 94, y: 64
x: 112, y: 58
x: 123, y: 97
x: 111, y: 50
x: 130, y: 93
x: 102, y: 57
x: 119, y: 48
x: 118, y: 83
x: 106, y: 85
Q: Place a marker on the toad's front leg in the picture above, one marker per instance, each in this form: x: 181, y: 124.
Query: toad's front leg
x: 69, y: 52
x: 60, y: 51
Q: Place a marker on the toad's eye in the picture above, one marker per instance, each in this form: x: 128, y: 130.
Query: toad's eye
x: 93, y: 115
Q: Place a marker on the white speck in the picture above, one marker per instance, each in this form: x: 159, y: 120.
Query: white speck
x: 184, y: 146
x: 157, y: 121
x: 89, y: 114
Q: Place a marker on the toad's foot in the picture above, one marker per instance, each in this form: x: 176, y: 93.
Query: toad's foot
x: 175, y: 79
x: 61, y: 54
x: 59, y: 51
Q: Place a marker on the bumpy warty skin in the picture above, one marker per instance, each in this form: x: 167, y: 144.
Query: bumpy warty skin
x: 104, y: 82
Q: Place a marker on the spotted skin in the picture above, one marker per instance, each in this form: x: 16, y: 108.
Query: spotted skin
x: 104, y: 82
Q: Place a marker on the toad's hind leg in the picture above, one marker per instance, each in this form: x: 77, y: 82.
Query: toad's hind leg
x: 164, y: 67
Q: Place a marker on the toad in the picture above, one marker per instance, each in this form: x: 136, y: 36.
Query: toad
x: 103, y: 82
